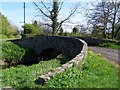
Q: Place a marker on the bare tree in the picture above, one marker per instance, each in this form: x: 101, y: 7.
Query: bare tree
x: 115, y: 19
x: 104, y: 17
x: 99, y: 18
x: 52, y: 14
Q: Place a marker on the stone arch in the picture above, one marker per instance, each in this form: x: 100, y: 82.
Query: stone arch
x: 49, y: 53
x: 68, y: 46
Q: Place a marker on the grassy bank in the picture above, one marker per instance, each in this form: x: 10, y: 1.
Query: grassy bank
x: 24, y: 76
x: 96, y: 72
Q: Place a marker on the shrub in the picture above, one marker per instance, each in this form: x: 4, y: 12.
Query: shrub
x: 3, y: 36
x: 12, y: 53
x: 31, y: 29
x: 18, y: 36
x: 74, y: 34
x: 12, y: 36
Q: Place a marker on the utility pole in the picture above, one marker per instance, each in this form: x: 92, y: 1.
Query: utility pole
x: 24, y: 17
x: 24, y: 12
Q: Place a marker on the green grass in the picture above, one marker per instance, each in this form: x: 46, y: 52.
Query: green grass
x: 96, y: 72
x: 110, y: 45
x: 24, y: 76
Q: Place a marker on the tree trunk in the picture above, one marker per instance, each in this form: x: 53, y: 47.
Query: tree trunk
x: 113, y: 26
x: 116, y: 34
x: 54, y: 17
x: 105, y: 28
x: 114, y: 19
x: 105, y: 20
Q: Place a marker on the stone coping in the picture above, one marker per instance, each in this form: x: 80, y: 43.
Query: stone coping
x: 78, y: 59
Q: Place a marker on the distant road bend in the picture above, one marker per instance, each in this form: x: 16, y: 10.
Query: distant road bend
x: 111, y: 54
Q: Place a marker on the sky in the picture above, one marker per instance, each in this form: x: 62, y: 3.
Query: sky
x: 13, y: 10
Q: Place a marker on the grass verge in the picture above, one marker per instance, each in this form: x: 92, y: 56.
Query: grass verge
x: 23, y: 77
x: 95, y: 73
x: 110, y: 45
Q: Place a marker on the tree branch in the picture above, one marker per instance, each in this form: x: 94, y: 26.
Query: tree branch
x: 45, y: 7
x: 48, y: 24
x: 61, y: 6
x: 60, y: 24
x: 41, y: 10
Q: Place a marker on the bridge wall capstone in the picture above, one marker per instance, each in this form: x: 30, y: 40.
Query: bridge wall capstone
x: 68, y: 46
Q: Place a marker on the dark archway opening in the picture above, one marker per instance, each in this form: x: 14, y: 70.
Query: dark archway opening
x: 29, y: 58
x: 49, y: 53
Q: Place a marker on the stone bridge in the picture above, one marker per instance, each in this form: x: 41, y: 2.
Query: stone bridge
x: 51, y: 46
x: 46, y: 46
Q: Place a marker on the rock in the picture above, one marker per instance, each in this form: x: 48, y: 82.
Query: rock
x: 3, y: 64
x: 7, y: 88
x: 40, y: 81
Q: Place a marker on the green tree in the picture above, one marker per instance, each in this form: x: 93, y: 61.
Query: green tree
x: 28, y: 28
x: 36, y: 28
x: 4, y: 24
x: 75, y: 30
x: 31, y: 29
x: 61, y: 32
x: 7, y: 28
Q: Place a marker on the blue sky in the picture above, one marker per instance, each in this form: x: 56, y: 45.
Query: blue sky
x: 14, y: 12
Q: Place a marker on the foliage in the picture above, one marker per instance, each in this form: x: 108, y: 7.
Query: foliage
x: 7, y: 28
x: 61, y: 32
x: 97, y: 32
x: 75, y: 30
x: 10, y: 37
x: 3, y: 36
x: 23, y: 77
x: 28, y: 28
x: 110, y: 45
x: 74, y: 34
x: 11, y: 52
x: 4, y: 24
x: 31, y: 29
x: 96, y: 72
x: 37, y: 28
